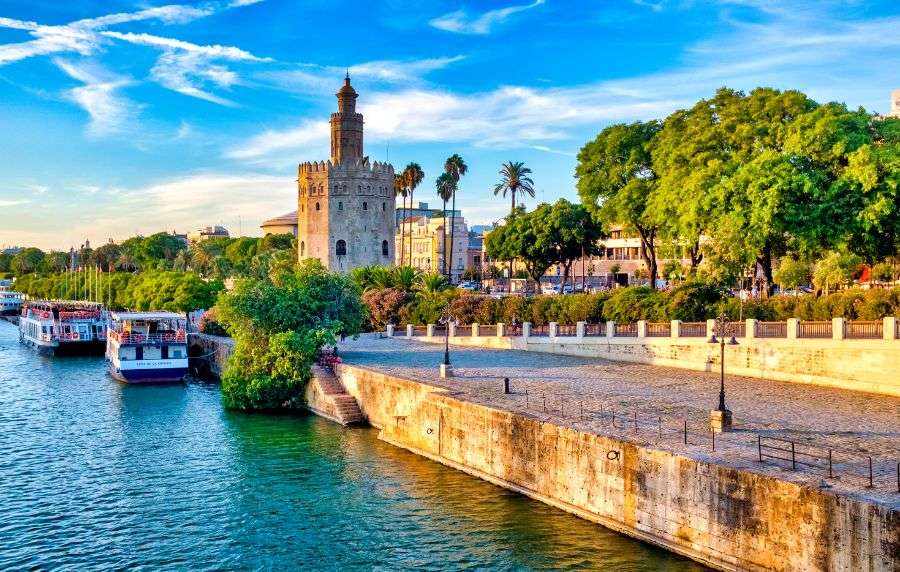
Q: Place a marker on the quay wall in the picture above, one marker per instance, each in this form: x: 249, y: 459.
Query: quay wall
x: 725, y: 517
x: 857, y: 365
x: 213, y: 350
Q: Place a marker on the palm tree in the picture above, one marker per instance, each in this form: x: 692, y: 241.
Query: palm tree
x: 405, y: 277
x: 456, y: 168
x: 400, y: 189
x: 445, y: 189
x: 431, y: 284
x: 515, y: 180
x: 412, y: 177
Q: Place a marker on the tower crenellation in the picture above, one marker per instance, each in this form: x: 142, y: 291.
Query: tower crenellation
x: 346, y: 204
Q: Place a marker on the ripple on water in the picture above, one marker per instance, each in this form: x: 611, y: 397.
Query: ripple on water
x: 102, y: 476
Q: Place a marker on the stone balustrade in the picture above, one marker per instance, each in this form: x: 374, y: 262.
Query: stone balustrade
x: 862, y: 355
x: 837, y: 329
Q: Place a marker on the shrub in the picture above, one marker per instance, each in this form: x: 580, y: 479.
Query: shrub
x: 384, y: 307
x: 209, y: 323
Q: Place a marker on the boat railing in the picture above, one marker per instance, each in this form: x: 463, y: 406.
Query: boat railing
x: 130, y: 338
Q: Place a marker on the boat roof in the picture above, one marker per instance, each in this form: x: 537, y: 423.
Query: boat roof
x: 124, y: 316
x: 66, y: 304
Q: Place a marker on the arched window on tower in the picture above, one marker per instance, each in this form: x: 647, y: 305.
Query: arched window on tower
x: 359, y: 187
x: 384, y: 248
x: 302, y: 248
x: 317, y: 206
x: 340, y: 248
x: 365, y: 206
x: 383, y: 207
x: 340, y: 205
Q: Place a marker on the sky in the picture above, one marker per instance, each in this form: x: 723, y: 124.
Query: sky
x: 120, y: 117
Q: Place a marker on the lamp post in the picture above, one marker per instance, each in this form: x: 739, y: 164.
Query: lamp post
x: 447, y: 320
x: 723, y: 332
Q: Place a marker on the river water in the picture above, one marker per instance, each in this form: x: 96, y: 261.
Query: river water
x: 97, y: 475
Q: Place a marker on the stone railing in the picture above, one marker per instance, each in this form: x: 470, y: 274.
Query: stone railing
x: 835, y: 329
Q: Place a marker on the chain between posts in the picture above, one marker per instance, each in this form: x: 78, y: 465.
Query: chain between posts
x: 769, y: 449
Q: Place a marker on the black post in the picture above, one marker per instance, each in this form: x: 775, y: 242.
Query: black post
x: 871, y: 479
x: 759, y: 447
x: 447, y: 343
x: 830, y: 472
x: 714, y: 440
x: 685, y: 432
x: 722, y: 376
x: 506, y: 385
x: 793, y: 457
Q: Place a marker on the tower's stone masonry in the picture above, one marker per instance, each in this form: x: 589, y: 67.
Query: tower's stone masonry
x: 345, y: 210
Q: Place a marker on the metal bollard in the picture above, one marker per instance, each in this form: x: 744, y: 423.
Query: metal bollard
x: 506, y: 386
x: 830, y: 472
x: 685, y: 432
x: 635, y: 422
x: 871, y: 476
x: 659, y: 424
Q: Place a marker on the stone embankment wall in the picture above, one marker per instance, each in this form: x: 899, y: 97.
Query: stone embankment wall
x: 859, y: 365
x: 215, y: 350
x: 725, y: 517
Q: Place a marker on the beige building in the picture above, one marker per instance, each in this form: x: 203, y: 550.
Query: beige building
x: 345, y: 214
x: 428, y: 244
x: 284, y: 224
x: 206, y: 233
x: 895, y: 103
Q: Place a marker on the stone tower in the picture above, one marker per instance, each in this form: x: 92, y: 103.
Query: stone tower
x: 345, y: 207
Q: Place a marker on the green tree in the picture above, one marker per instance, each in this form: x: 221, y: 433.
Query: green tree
x: 573, y: 232
x: 401, y: 190
x: 515, y: 178
x: 54, y: 261
x: 456, y: 167
x: 108, y: 255
x: 279, y: 326
x: 835, y: 269
x: 616, y: 181
x: 412, y: 178
x: 791, y: 273
x: 527, y: 237
x: 26, y: 261
x: 5, y: 259
x: 446, y: 188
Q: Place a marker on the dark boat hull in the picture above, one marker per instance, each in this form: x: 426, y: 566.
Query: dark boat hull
x: 139, y: 376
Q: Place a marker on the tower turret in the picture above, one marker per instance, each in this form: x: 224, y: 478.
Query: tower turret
x: 346, y: 126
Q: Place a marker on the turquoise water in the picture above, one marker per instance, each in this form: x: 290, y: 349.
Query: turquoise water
x: 96, y: 475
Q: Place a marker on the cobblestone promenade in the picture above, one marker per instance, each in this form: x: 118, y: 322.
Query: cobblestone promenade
x: 604, y: 397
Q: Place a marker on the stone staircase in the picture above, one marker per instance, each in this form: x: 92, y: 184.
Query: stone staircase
x: 326, y: 396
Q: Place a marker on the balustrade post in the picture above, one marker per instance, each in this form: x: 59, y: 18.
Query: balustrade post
x: 390, y: 330
x: 451, y: 329
x: 675, y: 329
x: 889, y: 328
x: 476, y: 330
x: 642, y: 328
x: 526, y: 330
x: 553, y: 330
x: 409, y: 331
x: 501, y: 329
x: 579, y: 330
x: 793, y: 328
x: 838, y: 328
x: 750, y: 327
x: 710, y: 328
x: 610, y: 329
x: 429, y: 330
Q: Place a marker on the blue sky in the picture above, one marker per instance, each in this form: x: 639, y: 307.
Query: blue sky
x: 121, y: 117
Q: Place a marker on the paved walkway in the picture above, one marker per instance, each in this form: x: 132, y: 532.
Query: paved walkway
x: 606, y: 397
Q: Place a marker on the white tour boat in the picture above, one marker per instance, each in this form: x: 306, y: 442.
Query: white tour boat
x: 63, y: 326
x: 10, y: 302
x: 147, y: 347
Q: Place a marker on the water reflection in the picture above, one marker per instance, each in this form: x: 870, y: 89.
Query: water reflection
x: 104, y: 476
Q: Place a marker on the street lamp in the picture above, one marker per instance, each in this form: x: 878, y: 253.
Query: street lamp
x: 447, y: 320
x: 723, y: 332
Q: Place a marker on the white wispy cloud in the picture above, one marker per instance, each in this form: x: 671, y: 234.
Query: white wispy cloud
x: 797, y: 49
x: 186, y: 67
x: 178, y: 203
x: 461, y: 22
x: 312, y: 79
x: 81, y: 36
x: 99, y: 96
x: 239, y: 3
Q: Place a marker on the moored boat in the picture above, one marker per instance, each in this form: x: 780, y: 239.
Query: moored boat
x: 63, y: 326
x: 10, y: 302
x: 147, y: 347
